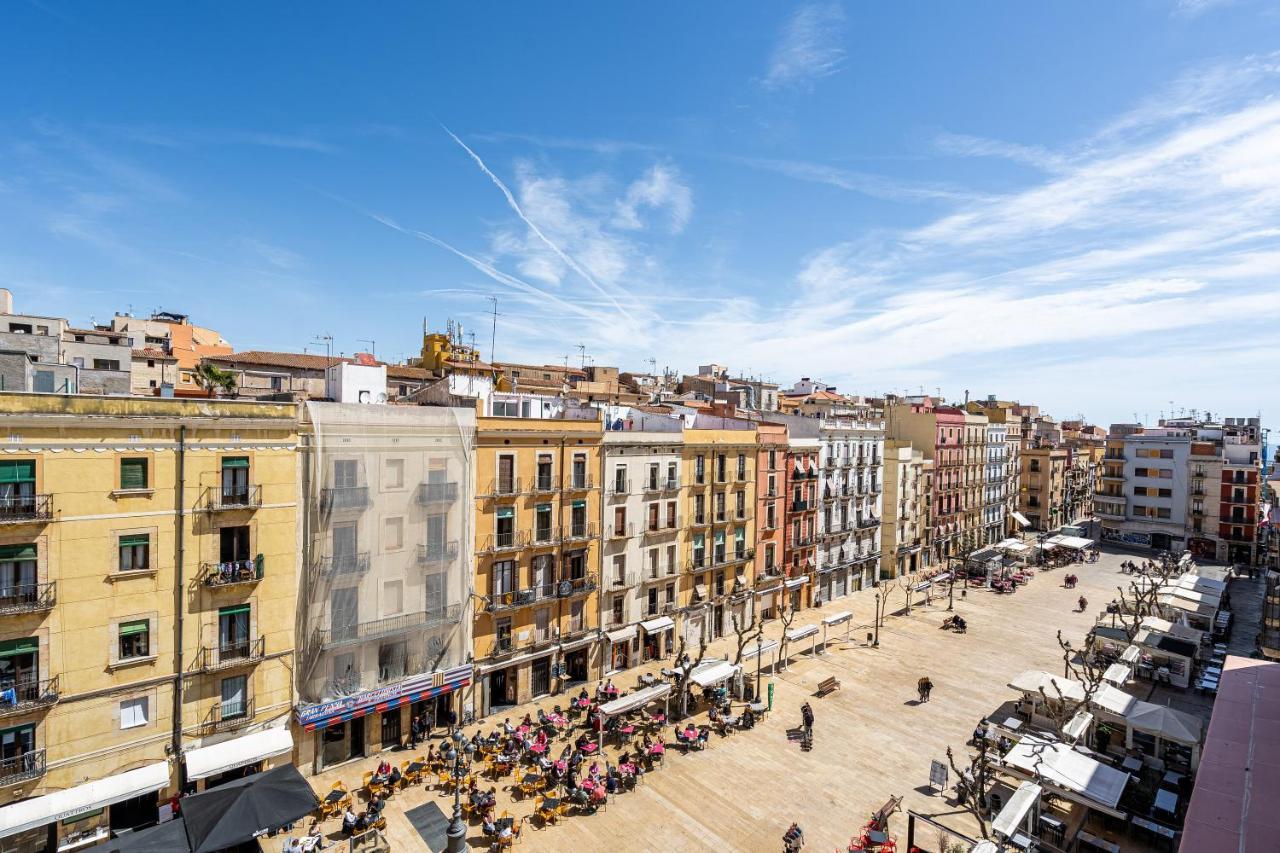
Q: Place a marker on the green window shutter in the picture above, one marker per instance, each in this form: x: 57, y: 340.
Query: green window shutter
x: 135, y: 539
x: 139, y: 626
x: 232, y: 611
x: 579, y: 504
x: 235, y: 462
x: 506, y: 512
x: 133, y: 473
x: 18, y: 471
x: 20, y: 646
x: 17, y: 552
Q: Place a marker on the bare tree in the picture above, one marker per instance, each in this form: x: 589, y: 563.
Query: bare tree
x: 744, y: 634
x: 684, y: 671
x: 1082, y: 668
x: 972, y: 783
x: 788, y: 616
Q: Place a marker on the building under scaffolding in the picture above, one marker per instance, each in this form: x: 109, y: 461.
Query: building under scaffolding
x: 384, y: 616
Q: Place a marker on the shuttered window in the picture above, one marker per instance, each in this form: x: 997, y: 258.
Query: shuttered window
x: 133, y: 474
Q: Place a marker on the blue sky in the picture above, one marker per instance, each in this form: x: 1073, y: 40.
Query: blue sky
x: 1072, y: 203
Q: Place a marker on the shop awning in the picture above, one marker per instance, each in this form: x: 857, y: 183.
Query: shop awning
x: 802, y: 632
x: 1014, y: 813
x: 1076, y: 543
x: 1059, y: 764
x: 237, y: 752
x: 632, y: 701
x: 653, y: 626
x: 1116, y: 701
x: 837, y: 618
x: 245, y: 809
x: 622, y: 635
x: 1021, y: 519
x: 700, y: 590
x: 60, y: 805
x: 1035, y: 680
x: 712, y: 672
x: 1130, y: 655
x: 767, y: 646
x: 792, y: 583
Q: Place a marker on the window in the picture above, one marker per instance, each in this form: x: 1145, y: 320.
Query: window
x: 235, y: 481
x: 505, y: 527
x: 699, y: 469
x: 741, y: 505
x: 392, y: 598
x: 233, y: 632
x: 620, y: 521
x: 542, y: 522
x: 773, y: 462
x: 391, y: 661
x: 654, y: 471
x: 652, y: 603
x: 506, y: 474
x: 742, y: 466
x: 394, y: 478
x: 673, y: 475
x: 133, y: 474
x: 135, y: 552
x: 768, y: 556
x: 579, y: 471
x: 620, y: 480
x: 671, y: 514
x: 670, y: 594
x: 578, y: 519
x: 135, y: 639
x: 671, y: 559
x: 345, y: 474
x: 506, y: 409
x: 106, y: 364
x: 653, y: 516
x: 544, y: 472
x: 133, y: 713
x: 235, y: 697
x: 393, y: 534
x: 504, y: 577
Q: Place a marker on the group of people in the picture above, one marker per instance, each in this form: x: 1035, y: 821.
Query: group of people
x: 354, y: 824
x: 924, y: 687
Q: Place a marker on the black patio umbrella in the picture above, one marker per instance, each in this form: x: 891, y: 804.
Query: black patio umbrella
x: 168, y: 837
x: 242, y: 810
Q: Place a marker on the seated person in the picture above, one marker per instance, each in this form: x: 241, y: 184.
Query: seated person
x: 314, y: 836
x: 583, y: 740
x: 376, y: 805
x: 489, y: 823
x: 394, y: 777
x: 350, y: 822
x: 583, y: 694
x: 527, y: 721
x: 748, y: 719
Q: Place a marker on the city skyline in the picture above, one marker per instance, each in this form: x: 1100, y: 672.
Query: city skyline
x: 821, y: 203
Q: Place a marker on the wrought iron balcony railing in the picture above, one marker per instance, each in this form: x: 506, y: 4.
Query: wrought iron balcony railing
x: 28, y: 598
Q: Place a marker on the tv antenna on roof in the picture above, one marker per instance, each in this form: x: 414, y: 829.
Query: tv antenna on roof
x: 582, y: 351
x: 373, y: 346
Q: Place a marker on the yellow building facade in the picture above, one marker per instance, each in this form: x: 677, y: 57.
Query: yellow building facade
x: 147, y: 603
x: 537, y: 544
x: 719, y: 499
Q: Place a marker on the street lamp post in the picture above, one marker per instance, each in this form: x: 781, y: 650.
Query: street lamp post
x: 876, y: 643
x: 759, y: 654
x: 457, y: 834
x: 951, y: 587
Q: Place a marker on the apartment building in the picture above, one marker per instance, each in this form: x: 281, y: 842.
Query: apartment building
x: 1186, y: 484
x: 1010, y: 416
x: 538, y: 546
x: 906, y: 506
x: 973, y: 478
x: 995, y: 479
x: 645, y: 536
x: 851, y: 457
x: 48, y: 355
x: 1042, y: 494
x: 174, y: 335
x: 938, y: 432
x: 771, y: 477
x: 720, y: 456
x: 800, y: 525
x: 386, y: 574
x: 148, y: 612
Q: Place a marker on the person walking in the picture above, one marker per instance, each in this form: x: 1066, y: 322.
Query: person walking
x: 923, y: 687
x: 806, y: 718
x: 415, y: 731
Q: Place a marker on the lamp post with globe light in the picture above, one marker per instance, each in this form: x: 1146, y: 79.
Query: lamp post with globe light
x: 457, y: 834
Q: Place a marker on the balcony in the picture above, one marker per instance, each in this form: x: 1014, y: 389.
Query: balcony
x: 503, y: 487
x: 228, y: 716
x: 697, y: 564
x: 344, y: 564
x: 737, y: 556
x: 802, y: 541
x: 661, y: 530
x: 345, y: 635
x: 624, y: 581
x: 227, y: 655
x: 619, y: 489
x: 622, y: 531
x: 233, y: 573
x: 28, y: 598
x: 545, y: 484
x: 799, y: 506
x: 578, y: 532
x: 26, y: 509
x: 868, y: 522
x: 437, y: 552
x: 20, y: 768
x: 227, y: 498
x: 570, y: 587
x: 829, y: 495
x: 344, y: 498
x: 511, y: 540
x: 580, y: 483
x: 500, y: 601
x: 27, y: 696
x: 437, y: 493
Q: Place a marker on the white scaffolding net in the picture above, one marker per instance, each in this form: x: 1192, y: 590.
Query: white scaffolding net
x: 386, y: 570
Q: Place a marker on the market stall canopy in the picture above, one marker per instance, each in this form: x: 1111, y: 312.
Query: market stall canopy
x: 1021, y: 519
x: 634, y: 701
x: 237, y: 752
x: 1035, y: 680
x: 837, y: 618
x: 61, y: 805
x: 764, y: 649
x: 1011, y: 817
x: 239, y: 811
x: 1078, y: 725
x: 653, y: 626
x: 1114, y: 700
x: 711, y: 672
x: 1059, y: 764
x: 1203, y: 584
x: 1165, y: 643
x: 1077, y: 543
x: 802, y: 632
x: 1131, y: 655
x: 1117, y: 674
x: 1167, y: 723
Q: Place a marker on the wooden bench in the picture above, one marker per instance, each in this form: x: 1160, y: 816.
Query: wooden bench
x: 827, y: 685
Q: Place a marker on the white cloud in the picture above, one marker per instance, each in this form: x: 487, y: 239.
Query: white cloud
x: 277, y: 256
x: 1192, y: 8
x: 661, y: 188
x: 809, y: 47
